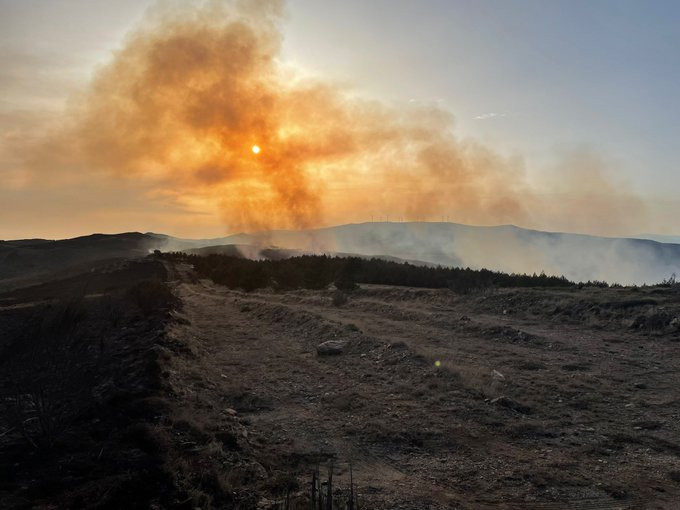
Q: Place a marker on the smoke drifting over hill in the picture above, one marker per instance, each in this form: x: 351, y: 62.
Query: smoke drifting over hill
x: 179, y: 107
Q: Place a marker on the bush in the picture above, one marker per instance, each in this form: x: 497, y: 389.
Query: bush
x: 153, y: 297
x: 339, y: 298
x: 345, y: 283
x: 52, y: 375
x: 671, y: 281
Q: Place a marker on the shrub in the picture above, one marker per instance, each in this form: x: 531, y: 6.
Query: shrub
x: 52, y: 376
x: 152, y: 297
x: 345, y: 283
x: 339, y: 298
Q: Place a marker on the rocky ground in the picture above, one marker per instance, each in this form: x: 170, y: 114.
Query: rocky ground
x: 509, y: 399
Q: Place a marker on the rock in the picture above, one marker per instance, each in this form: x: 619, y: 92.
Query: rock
x: 648, y: 425
x: 521, y: 336
x: 511, y: 404
x: 230, y: 411
x: 352, y: 327
x: 331, y: 347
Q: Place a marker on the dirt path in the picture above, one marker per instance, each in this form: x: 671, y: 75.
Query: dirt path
x: 518, y: 413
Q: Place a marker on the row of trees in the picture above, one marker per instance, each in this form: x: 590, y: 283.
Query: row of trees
x: 319, y: 271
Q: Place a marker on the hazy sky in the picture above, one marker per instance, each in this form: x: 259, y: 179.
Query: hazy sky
x: 532, y: 80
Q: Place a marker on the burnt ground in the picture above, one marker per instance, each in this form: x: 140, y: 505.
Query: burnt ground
x: 525, y: 398
x: 509, y: 399
x: 79, y: 379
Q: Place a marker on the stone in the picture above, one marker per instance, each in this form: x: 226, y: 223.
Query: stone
x: 331, y: 348
x: 511, y: 404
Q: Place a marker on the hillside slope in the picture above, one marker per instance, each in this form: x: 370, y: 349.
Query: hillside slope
x: 24, y: 262
x: 504, y: 248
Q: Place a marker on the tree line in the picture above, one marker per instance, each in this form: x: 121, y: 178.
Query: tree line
x: 320, y: 271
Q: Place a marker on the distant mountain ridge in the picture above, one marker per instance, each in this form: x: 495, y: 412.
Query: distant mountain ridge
x: 660, y: 238
x: 504, y: 248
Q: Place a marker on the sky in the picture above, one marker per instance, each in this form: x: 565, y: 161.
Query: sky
x: 572, y: 102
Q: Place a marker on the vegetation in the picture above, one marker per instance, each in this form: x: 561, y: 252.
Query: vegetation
x: 671, y: 282
x: 339, y: 298
x: 79, y: 390
x: 50, y: 377
x: 56, y: 364
x: 153, y: 296
x: 319, y: 271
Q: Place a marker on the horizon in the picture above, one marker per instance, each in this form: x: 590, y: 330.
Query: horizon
x: 644, y: 236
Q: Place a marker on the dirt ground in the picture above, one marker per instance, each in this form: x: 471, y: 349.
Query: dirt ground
x: 527, y: 398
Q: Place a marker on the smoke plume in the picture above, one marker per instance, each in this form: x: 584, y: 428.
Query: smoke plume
x: 194, y: 88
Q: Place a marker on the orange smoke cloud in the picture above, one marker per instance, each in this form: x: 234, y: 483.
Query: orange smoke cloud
x: 181, y: 105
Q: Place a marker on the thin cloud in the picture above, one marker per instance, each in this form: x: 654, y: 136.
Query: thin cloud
x: 489, y: 115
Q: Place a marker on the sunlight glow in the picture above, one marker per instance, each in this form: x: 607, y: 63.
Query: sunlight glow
x: 256, y: 149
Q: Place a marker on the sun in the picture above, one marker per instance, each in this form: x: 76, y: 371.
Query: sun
x: 256, y: 149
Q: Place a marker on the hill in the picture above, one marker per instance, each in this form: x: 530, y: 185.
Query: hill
x: 503, y: 248
x: 23, y: 262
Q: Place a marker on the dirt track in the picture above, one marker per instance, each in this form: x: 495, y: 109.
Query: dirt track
x: 525, y: 410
